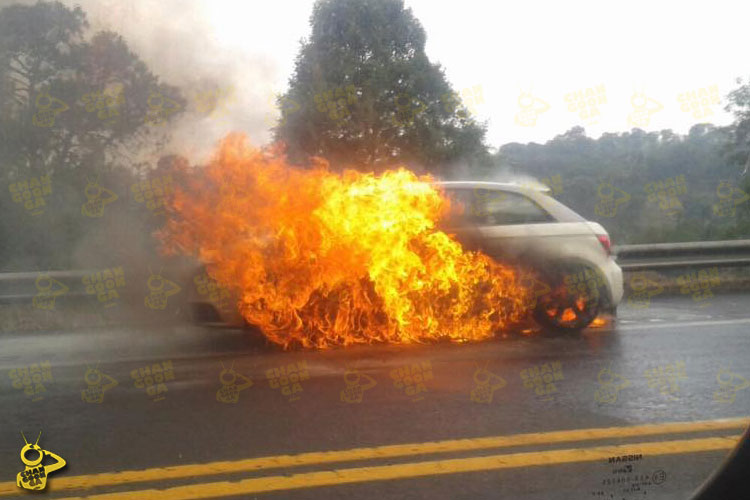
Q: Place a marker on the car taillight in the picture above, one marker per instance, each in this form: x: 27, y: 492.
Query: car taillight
x: 604, y: 240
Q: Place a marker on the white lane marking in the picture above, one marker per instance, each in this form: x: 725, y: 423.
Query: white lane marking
x: 644, y: 326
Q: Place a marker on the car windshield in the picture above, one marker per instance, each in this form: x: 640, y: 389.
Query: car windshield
x: 372, y: 248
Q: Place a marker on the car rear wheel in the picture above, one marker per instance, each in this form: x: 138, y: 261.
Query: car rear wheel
x: 573, y: 302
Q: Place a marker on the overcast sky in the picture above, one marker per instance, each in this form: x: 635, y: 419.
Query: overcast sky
x: 521, y: 63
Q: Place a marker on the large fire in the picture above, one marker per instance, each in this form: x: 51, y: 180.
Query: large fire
x: 318, y: 258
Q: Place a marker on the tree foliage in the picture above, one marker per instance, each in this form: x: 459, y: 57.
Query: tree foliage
x: 364, y: 93
x: 77, y: 108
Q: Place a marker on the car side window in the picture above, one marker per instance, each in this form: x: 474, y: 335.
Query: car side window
x: 494, y: 207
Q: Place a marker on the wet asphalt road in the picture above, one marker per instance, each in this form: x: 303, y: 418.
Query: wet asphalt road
x: 657, y: 364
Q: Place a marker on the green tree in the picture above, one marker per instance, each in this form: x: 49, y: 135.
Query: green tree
x: 79, y: 109
x: 364, y: 94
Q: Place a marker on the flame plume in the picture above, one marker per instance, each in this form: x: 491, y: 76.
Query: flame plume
x: 319, y: 259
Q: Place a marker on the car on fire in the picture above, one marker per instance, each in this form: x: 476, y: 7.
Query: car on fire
x: 563, y: 258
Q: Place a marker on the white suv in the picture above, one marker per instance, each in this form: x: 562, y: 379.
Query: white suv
x: 574, y: 275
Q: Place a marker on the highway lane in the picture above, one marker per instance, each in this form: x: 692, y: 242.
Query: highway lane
x: 619, y: 376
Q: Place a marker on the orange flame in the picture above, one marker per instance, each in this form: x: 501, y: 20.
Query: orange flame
x: 320, y: 259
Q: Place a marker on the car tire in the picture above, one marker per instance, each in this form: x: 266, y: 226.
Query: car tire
x: 566, y: 307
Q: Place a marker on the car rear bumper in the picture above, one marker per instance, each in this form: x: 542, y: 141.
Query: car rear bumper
x: 613, y: 274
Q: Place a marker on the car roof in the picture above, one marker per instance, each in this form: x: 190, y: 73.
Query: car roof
x: 506, y: 186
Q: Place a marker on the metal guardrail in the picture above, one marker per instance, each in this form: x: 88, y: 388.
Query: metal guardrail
x: 663, y: 256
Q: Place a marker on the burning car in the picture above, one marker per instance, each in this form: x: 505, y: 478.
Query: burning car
x: 568, y: 261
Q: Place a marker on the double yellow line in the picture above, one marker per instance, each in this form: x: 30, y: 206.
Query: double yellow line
x: 405, y: 470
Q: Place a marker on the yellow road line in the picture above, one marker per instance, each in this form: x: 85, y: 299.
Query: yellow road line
x: 389, y: 451
x: 420, y: 469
